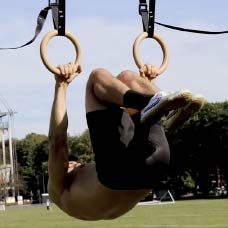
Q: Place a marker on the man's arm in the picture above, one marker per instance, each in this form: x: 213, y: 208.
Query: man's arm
x: 58, y: 148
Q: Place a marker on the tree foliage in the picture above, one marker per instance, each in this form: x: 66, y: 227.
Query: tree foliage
x: 199, y: 150
x: 32, y: 151
x: 32, y: 157
x: 80, y: 147
x: 200, y: 147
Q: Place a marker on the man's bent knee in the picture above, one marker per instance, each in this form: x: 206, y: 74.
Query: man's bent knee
x: 98, y: 72
x: 93, y: 77
x: 127, y: 75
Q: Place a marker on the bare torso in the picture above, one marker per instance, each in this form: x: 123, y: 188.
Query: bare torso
x: 87, y: 199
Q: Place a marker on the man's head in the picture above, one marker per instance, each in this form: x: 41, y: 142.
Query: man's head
x: 72, y: 165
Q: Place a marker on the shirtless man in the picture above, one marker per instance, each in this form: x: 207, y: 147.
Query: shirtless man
x: 131, y: 151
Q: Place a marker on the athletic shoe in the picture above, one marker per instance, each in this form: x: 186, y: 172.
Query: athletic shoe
x: 180, y: 115
x: 162, y: 102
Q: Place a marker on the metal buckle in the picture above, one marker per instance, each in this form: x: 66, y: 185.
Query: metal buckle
x: 58, y: 15
x: 143, y: 8
x: 53, y: 3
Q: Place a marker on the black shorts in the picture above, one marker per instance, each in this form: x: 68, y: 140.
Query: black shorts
x: 128, y: 155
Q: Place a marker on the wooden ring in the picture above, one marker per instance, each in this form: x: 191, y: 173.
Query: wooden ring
x: 164, y: 47
x: 43, y: 50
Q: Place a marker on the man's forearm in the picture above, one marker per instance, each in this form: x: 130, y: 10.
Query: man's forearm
x: 58, y: 149
x: 59, y: 121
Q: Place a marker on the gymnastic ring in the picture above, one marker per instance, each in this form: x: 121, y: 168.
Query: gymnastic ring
x: 43, y: 50
x: 164, y: 47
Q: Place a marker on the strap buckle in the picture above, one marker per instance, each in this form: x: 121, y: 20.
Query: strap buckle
x: 151, y: 18
x: 58, y: 8
x: 147, y: 17
x: 143, y: 8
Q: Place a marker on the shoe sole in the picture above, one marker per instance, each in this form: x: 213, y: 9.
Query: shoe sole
x: 185, y: 112
x: 173, y: 101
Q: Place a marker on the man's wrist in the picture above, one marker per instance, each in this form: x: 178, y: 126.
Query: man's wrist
x: 63, y: 84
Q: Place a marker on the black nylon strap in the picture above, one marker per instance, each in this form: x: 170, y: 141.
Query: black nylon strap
x: 151, y: 19
x: 61, y: 18
x: 143, y: 11
x: 55, y: 11
x: 191, y: 30
x: 40, y: 22
x: 147, y: 17
x: 58, y: 15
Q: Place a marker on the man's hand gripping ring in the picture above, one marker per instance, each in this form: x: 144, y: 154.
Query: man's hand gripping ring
x: 43, y: 50
x: 164, y: 47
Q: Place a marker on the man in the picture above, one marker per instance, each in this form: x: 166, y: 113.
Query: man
x: 131, y: 150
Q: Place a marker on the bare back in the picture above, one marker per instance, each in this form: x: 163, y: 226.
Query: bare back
x: 87, y: 199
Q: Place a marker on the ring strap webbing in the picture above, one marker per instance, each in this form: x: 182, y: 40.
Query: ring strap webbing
x: 143, y: 11
x: 191, y: 30
x: 147, y: 17
x: 40, y: 23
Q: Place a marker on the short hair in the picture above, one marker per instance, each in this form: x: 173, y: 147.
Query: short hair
x: 72, y: 158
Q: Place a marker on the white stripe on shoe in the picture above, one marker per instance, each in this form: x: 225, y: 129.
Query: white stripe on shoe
x: 162, y: 102
x: 177, y: 117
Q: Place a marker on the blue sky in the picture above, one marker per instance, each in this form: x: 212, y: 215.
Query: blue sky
x: 106, y: 31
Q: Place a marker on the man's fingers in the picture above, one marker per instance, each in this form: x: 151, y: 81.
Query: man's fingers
x: 79, y: 69
x: 68, y: 71
x: 142, y: 71
x: 62, y: 69
x: 154, y: 71
x: 73, y: 68
x: 148, y: 69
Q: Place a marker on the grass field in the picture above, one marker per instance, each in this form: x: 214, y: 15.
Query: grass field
x: 194, y: 213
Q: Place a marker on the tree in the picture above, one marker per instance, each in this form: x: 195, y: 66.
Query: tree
x: 32, y: 156
x: 31, y: 153
x: 200, y: 146
x: 80, y: 146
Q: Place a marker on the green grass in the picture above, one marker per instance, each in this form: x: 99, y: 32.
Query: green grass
x: 194, y: 213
